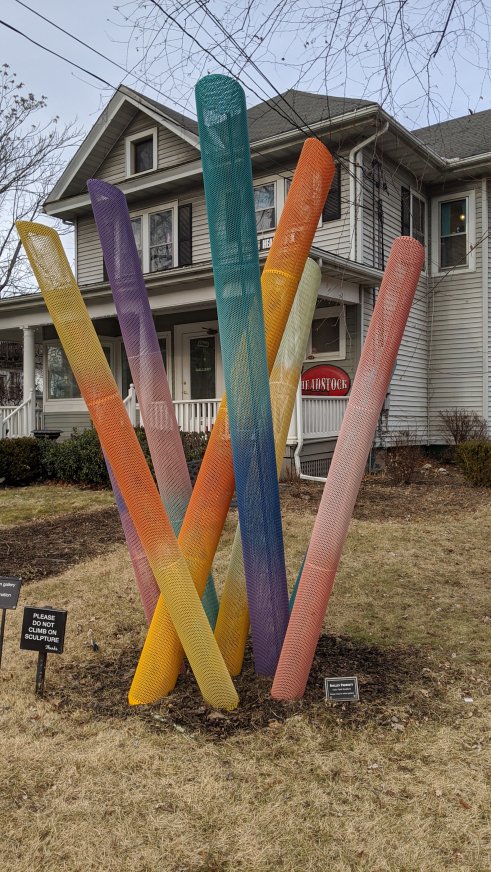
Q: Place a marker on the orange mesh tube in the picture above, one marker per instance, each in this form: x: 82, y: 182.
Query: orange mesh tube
x: 210, y: 500
x: 120, y: 445
x: 348, y: 465
x: 233, y: 616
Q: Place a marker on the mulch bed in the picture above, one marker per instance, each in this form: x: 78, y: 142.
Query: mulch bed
x: 398, y: 688
x: 48, y: 547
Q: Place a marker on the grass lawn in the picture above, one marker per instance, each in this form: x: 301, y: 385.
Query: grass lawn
x: 400, y: 782
x: 18, y: 504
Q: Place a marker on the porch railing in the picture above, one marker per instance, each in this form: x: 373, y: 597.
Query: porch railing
x: 193, y: 416
x: 322, y: 416
x: 20, y: 420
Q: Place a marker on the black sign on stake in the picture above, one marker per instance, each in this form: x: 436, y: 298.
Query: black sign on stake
x: 43, y: 630
x: 342, y: 689
x: 9, y: 595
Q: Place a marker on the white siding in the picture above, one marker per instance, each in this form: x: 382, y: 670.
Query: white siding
x: 90, y: 269
x: 456, y: 334
x: 334, y: 236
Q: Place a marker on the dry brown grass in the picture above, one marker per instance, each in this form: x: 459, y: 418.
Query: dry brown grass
x: 314, y: 792
x: 18, y: 504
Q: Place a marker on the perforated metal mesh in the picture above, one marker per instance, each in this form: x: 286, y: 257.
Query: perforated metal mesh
x: 229, y: 195
x: 120, y: 445
x: 369, y: 389
x: 145, y: 581
x: 233, y: 617
x: 215, y: 485
x: 145, y: 358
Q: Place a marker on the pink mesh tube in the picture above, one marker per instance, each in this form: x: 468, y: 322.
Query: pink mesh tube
x: 347, y: 467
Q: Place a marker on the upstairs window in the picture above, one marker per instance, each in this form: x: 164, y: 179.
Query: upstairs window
x: 141, y: 152
x: 453, y: 232
x: 163, y: 237
x: 332, y: 206
x: 265, y: 206
x: 161, y: 240
x: 413, y: 215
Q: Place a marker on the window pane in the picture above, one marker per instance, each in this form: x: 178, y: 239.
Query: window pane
x: 161, y: 254
x: 418, y: 216
x: 143, y: 155
x: 136, y: 224
x: 453, y: 250
x: 163, y: 349
x: 202, y: 367
x: 264, y: 205
x: 453, y: 217
x: 325, y: 335
x: 61, y: 382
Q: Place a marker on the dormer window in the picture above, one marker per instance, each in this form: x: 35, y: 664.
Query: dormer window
x: 141, y: 152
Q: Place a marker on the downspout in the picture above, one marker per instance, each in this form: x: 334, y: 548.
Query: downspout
x: 298, y: 412
x: 356, y: 226
x: 485, y: 299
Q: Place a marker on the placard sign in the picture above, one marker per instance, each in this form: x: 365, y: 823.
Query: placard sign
x: 342, y: 689
x: 43, y: 629
x: 9, y: 591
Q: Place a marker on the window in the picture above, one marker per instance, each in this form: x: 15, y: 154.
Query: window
x: 413, y: 215
x: 60, y: 379
x: 332, y: 206
x: 328, y: 334
x: 154, y: 231
x: 264, y: 203
x: 453, y: 231
x: 141, y: 152
x: 126, y: 379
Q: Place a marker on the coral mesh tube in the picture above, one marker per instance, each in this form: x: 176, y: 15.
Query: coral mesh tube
x: 229, y: 195
x: 210, y: 500
x: 145, y: 358
x: 120, y: 445
x: 347, y: 467
x: 214, y: 488
x: 233, y: 617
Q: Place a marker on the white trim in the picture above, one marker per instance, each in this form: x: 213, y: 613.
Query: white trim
x: 485, y: 298
x: 470, y: 196
x: 180, y: 131
x: 414, y: 193
x: 130, y: 141
x: 339, y: 313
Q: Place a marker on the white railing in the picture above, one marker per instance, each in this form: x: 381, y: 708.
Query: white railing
x: 20, y: 420
x: 196, y: 416
x: 322, y: 416
x: 193, y: 416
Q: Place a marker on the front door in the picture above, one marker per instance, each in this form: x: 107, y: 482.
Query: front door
x: 200, y: 352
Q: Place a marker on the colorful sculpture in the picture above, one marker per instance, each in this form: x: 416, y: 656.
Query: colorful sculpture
x: 251, y: 330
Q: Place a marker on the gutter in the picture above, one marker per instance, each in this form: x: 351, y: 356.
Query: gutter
x: 356, y: 226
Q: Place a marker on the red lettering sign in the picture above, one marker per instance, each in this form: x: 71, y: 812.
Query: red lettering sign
x: 325, y: 380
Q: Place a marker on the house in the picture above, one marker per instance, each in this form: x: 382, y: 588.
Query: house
x: 432, y: 184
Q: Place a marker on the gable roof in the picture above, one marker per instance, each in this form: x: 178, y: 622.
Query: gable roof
x: 464, y: 137
x: 295, y: 109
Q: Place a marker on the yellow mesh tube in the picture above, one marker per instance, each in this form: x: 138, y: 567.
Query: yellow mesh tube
x: 120, y: 445
x: 210, y: 500
x: 233, y: 617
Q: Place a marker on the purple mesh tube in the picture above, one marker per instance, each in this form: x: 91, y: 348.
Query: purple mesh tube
x: 145, y: 581
x: 144, y: 357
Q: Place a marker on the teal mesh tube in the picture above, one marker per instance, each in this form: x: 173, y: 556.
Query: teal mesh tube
x: 227, y: 173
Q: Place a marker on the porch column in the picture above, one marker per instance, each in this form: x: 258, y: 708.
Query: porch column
x: 29, y: 362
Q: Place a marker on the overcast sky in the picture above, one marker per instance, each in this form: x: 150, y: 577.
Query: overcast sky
x: 73, y: 94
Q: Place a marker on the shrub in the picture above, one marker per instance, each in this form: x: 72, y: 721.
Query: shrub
x: 474, y: 459
x: 194, y: 445
x: 20, y: 461
x: 77, y: 460
x: 403, y: 458
x: 461, y: 425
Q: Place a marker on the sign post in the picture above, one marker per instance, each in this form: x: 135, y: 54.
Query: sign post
x: 9, y: 595
x: 43, y: 630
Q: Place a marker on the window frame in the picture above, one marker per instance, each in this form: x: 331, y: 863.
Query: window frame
x: 470, y: 266
x: 129, y: 151
x: 144, y: 214
x: 338, y: 312
x: 414, y: 194
x: 278, y: 206
x: 74, y: 404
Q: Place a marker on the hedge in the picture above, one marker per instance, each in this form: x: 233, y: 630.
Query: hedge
x: 20, y: 460
x: 474, y: 459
